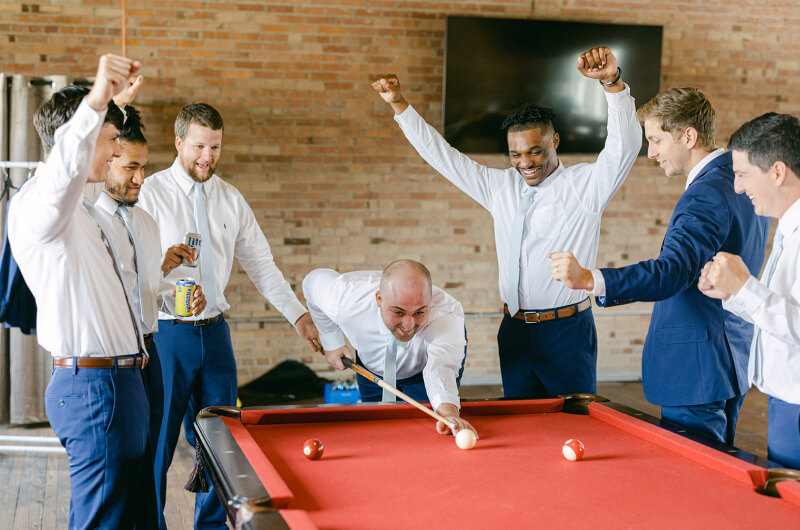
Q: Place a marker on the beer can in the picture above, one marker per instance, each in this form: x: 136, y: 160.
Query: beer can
x: 184, y: 293
x: 193, y: 241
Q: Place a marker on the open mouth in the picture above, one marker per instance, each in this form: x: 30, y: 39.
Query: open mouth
x: 530, y: 173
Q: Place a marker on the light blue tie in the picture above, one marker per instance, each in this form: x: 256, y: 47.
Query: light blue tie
x: 769, y: 270
x: 390, y: 368
x: 208, y: 278
x: 142, y: 274
x: 515, y: 247
x: 98, y: 218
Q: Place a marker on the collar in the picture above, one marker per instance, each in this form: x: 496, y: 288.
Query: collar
x: 790, y: 220
x: 546, y: 183
x: 185, y: 182
x: 697, y: 169
x: 106, y: 203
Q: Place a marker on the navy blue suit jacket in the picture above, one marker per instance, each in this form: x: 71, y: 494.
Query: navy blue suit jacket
x: 695, y: 351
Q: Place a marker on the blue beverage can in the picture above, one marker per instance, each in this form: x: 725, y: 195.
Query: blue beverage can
x: 184, y: 293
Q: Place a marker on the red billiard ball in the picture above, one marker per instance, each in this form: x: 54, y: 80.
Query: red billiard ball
x: 312, y: 449
x: 572, y: 450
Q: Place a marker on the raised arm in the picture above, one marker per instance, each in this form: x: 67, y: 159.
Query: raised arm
x: 624, y: 133
x: 470, y: 177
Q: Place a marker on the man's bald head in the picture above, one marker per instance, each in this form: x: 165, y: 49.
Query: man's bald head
x: 404, y: 297
x: 406, y: 274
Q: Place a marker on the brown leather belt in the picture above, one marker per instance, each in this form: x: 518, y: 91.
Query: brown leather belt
x: 203, y: 322
x: 123, y: 361
x: 535, y: 317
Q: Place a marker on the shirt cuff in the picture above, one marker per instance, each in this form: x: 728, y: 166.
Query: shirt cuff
x: 331, y: 341
x: 406, y: 115
x: 618, y: 99
x: 599, y: 283
x: 293, y: 311
x: 751, y: 296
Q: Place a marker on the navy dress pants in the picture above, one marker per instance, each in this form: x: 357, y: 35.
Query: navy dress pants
x: 549, y: 358
x: 783, y: 433
x: 196, y: 361
x: 715, y: 421
x: 149, y: 513
x: 101, y: 417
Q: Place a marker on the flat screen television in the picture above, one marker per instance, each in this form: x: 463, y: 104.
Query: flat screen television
x: 493, y: 65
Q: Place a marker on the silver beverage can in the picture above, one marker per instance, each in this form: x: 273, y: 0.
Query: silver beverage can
x: 193, y: 241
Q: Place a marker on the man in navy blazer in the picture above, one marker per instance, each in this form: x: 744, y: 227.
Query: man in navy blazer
x: 695, y: 357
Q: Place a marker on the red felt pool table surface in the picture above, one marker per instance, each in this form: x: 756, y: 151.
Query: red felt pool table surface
x: 386, y: 467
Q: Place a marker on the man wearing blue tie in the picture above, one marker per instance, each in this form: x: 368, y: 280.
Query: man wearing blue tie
x: 694, y: 362
x: 137, y: 240
x: 402, y: 327
x: 766, y: 161
x: 197, y: 360
x: 547, y: 340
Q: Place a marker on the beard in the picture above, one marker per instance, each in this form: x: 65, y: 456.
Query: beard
x: 120, y: 194
x: 191, y: 170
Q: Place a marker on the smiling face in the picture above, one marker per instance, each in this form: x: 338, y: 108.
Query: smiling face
x: 199, y: 151
x: 105, y: 150
x: 404, y: 301
x: 758, y: 185
x: 672, y: 155
x: 127, y: 174
x: 533, y: 154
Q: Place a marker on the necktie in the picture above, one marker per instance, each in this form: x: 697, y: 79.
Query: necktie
x: 755, y: 348
x: 208, y: 278
x: 515, y: 247
x: 142, y: 278
x: 98, y: 218
x: 390, y: 368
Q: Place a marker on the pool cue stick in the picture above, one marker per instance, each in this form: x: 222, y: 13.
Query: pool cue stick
x: 124, y: 31
x: 383, y: 384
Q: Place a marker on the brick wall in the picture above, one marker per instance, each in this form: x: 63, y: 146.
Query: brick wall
x: 330, y: 177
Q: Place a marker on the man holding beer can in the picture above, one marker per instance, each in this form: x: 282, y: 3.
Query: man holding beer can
x: 198, y: 365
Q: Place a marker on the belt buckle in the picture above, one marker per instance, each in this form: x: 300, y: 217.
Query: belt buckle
x: 197, y: 323
x: 531, y: 314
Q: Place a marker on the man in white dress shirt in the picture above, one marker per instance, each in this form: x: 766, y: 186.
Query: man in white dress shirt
x: 197, y: 359
x: 547, y: 340
x: 766, y: 162
x: 95, y: 400
x: 130, y: 226
x: 403, y: 329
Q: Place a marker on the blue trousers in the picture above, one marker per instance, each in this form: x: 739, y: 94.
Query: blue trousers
x: 101, y: 416
x: 783, y: 433
x: 715, y: 421
x: 196, y: 361
x: 150, y: 510
x: 550, y: 358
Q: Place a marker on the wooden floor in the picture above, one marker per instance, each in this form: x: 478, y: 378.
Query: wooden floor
x: 30, y: 480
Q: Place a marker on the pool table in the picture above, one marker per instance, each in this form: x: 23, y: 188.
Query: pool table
x: 384, y: 466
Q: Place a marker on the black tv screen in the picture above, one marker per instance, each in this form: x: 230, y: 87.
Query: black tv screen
x: 493, y: 65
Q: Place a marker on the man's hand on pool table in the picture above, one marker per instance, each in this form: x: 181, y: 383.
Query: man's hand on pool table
x: 450, y: 412
x: 334, y: 357
x: 564, y: 267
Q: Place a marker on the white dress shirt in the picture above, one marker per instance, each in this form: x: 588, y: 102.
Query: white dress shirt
x: 147, y: 231
x: 567, y: 208
x: 599, y: 281
x: 234, y: 233
x: 81, y: 306
x: 344, y: 305
x: 775, y: 308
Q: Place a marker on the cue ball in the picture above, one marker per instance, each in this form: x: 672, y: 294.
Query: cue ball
x: 572, y: 450
x: 312, y: 449
x: 465, y: 439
